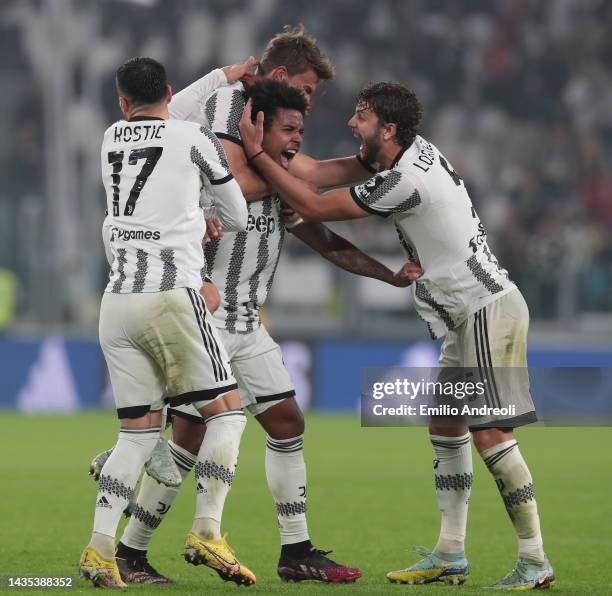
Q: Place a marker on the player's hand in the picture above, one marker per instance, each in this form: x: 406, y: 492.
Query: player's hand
x: 213, y: 229
x: 251, y: 132
x: 240, y: 71
x: 410, y: 272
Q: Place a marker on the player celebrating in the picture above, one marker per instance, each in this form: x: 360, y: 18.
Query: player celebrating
x: 245, y: 275
x: 155, y: 331
x: 464, y: 295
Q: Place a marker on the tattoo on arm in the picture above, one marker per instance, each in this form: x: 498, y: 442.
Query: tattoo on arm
x: 341, y: 252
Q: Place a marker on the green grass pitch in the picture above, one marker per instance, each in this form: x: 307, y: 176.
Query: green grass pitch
x: 371, y: 497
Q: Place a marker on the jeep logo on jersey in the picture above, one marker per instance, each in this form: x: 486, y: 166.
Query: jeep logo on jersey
x: 363, y: 191
x: 262, y: 224
x: 127, y: 235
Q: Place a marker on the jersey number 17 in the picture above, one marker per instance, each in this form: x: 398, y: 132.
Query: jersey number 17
x: 151, y: 156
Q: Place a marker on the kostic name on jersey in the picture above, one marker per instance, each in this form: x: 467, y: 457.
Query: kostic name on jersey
x: 263, y: 224
x: 137, y: 132
x: 127, y: 235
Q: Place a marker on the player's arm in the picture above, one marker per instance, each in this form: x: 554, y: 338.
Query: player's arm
x: 347, y: 256
x: 208, y: 155
x: 211, y: 295
x: 185, y: 105
x: 330, y: 172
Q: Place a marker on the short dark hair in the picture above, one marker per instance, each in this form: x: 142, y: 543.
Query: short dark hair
x: 268, y: 96
x: 298, y: 51
x: 394, y: 104
x: 142, y: 80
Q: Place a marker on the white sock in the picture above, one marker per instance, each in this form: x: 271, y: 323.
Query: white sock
x: 154, y: 502
x: 214, y: 470
x: 286, y: 474
x: 453, y: 477
x: 117, y: 481
x: 515, y: 484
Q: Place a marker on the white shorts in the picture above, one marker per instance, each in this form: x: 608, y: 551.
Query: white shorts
x: 257, y: 364
x: 492, y: 344
x: 162, y: 346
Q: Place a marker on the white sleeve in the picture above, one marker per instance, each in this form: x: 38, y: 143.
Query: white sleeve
x: 231, y: 206
x: 387, y: 193
x: 187, y: 104
x: 218, y: 182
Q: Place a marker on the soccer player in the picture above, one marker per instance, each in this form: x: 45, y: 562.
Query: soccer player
x: 464, y: 295
x: 243, y: 266
x: 155, y: 330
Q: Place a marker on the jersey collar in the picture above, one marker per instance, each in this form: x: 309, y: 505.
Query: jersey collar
x: 399, y: 156
x: 141, y: 118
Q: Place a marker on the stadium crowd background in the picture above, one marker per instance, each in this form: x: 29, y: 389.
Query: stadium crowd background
x: 517, y: 94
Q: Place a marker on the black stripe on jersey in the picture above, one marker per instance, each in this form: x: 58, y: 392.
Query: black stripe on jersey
x: 263, y: 256
x: 375, y: 189
x: 365, y: 207
x: 235, y: 113
x: 281, y: 239
x: 223, y: 135
x: 121, y: 260
x: 199, y: 318
x: 210, y: 109
x: 222, y: 180
x: 205, y: 168
x: 422, y: 293
x: 210, y: 252
x: 221, y: 156
x: 484, y: 277
x: 414, y: 200
x: 169, y: 271
x: 142, y: 268
x: 233, y: 279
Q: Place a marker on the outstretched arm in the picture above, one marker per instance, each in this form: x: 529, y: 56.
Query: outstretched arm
x: 347, y: 256
x: 330, y: 172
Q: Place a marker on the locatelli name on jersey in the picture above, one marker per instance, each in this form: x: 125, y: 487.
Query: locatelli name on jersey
x: 127, y: 235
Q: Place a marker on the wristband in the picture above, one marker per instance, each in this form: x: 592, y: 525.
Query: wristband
x: 292, y: 224
x: 250, y: 159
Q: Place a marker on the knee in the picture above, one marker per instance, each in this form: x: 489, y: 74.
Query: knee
x: 188, y: 435
x: 287, y: 426
x: 488, y: 437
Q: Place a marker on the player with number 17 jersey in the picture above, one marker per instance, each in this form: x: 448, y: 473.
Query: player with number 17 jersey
x: 154, y: 171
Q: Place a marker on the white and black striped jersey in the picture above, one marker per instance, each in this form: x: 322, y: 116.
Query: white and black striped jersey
x: 437, y: 225
x: 153, y: 172
x: 242, y: 265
